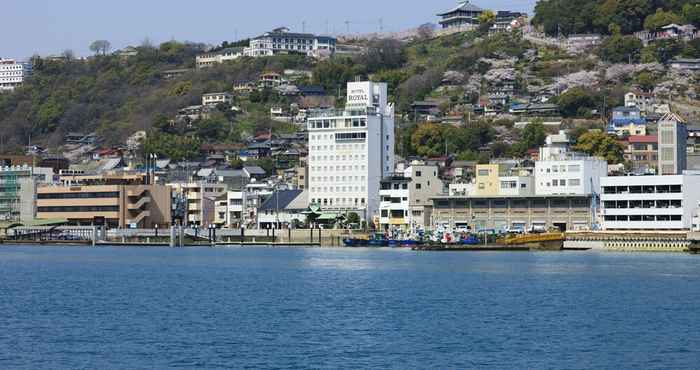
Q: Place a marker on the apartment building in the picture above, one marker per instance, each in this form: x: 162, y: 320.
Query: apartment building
x: 351, y: 150
x: 201, y: 200
x: 642, y: 153
x: 503, y: 178
x: 232, y: 209
x: 17, y: 193
x: 113, y: 204
x: 13, y: 74
x: 405, y: 197
x: 561, y: 172
x: 282, y: 41
x: 650, y: 202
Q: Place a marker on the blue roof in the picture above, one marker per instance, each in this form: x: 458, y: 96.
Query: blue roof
x: 627, y: 121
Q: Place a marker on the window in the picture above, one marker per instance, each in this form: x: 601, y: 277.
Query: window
x: 418, y: 173
x: 484, y: 172
x: 418, y: 186
x: 574, y: 182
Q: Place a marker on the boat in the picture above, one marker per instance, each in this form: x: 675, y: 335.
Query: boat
x: 377, y: 240
x: 470, y: 240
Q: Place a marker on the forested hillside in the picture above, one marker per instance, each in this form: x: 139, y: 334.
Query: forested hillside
x: 586, y: 16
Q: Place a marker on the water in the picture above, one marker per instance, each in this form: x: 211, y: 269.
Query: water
x: 104, y: 308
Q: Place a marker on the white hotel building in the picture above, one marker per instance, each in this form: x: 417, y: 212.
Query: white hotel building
x: 281, y: 41
x: 351, y: 150
x: 12, y: 74
x: 650, y: 202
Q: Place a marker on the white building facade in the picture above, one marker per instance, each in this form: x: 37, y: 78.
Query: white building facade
x: 12, y: 74
x: 577, y: 175
x: 281, y: 41
x: 350, y: 151
x: 650, y: 202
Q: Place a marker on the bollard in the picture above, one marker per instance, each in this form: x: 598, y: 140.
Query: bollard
x: 94, y: 236
x: 172, y: 236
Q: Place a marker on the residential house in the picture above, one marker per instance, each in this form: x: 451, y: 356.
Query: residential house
x: 283, y: 209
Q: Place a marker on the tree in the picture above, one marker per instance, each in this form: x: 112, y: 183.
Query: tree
x: 645, y: 80
x: 692, y: 49
x: 602, y: 145
x: 353, y: 219
x: 627, y: 14
x: 486, y: 20
x: 100, y: 47
x: 425, y: 32
x: 691, y: 13
x: 662, y: 51
x: 621, y: 49
x: 428, y: 141
x: 382, y: 54
x: 660, y: 19
x: 576, y: 101
x: 532, y: 136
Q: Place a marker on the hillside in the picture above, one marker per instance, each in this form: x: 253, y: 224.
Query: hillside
x: 115, y: 96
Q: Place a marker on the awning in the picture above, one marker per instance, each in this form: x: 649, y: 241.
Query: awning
x: 328, y: 217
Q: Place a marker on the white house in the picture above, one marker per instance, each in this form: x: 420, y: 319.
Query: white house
x: 217, y: 98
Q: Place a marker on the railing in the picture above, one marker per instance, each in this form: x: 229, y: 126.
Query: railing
x: 143, y: 201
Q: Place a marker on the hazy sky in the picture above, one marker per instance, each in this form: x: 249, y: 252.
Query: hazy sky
x: 51, y: 26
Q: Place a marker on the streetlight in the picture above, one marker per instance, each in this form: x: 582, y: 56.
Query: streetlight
x: 277, y: 202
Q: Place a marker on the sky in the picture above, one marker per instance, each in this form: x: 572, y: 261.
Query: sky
x: 47, y: 27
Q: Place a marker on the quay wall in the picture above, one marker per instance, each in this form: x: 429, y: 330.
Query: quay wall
x: 667, y: 241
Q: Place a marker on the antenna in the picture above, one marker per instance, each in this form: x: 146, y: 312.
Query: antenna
x: 303, y: 26
x: 347, y: 26
x: 381, y: 25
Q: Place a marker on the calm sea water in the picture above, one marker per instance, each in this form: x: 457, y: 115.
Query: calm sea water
x: 105, y: 308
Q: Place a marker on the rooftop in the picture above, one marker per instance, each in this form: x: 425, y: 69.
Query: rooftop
x: 462, y: 6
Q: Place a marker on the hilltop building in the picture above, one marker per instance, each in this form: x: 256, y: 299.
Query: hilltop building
x: 351, y: 150
x: 218, y: 57
x: 464, y: 16
x: 13, y: 74
x: 282, y: 41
